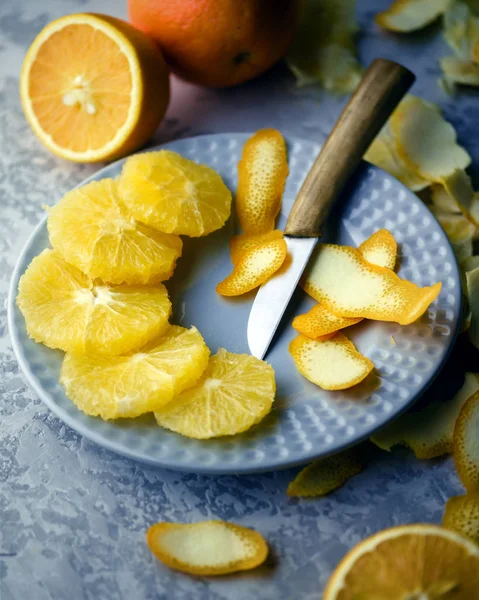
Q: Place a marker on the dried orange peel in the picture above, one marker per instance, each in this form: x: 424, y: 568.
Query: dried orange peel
x: 332, y: 363
x: 466, y: 444
x: 207, y: 547
x: 254, y: 267
x: 327, y: 474
x: 410, y: 15
x: 381, y: 250
x: 262, y: 173
x: 379, y: 294
x: 462, y: 515
x: 241, y: 244
x: 429, y: 432
x: 174, y: 194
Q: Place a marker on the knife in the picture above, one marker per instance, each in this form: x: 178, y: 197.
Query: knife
x: 382, y: 87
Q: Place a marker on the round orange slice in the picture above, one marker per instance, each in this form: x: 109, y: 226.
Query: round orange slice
x: 93, y: 88
x: 411, y: 561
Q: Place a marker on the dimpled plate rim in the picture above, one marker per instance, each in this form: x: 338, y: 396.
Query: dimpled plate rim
x: 186, y: 458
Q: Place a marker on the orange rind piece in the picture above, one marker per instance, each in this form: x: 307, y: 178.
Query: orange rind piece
x: 332, y: 363
x: 327, y: 474
x: 66, y: 310
x: 92, y: 229
x: 410, y: 561
x: 241, y: 244
x: 207, y: 547
x: 262, y: 173
x: 462, y: 515
x: 254, y: 268
x: 472, y: 285
x: 174, y: 194
x: 410, y: 15
x: 130, y: 385
x: 349, y: 286
x: 380, y: 249
x: 234, y: 393
x: 466, y: 444
x: 428, y: 433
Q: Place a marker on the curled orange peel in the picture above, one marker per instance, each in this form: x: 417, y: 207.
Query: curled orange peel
x: 349, y: 286
x: 254, y: 268
x: 466, y: 444
x: 462, y: 515
x: 207, y: 547
x: 327, y: 474
x: 380, y: 249
x: 410, y: 15
x: 241, y: 244
x: 332, y: 363
x: 262, y: 173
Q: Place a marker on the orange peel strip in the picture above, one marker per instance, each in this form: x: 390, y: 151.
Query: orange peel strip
x: 462, y: 515
x: 409, y: 15
x: 207, y: 547
x: 241, y: 244
x: 466, y: 444
x: 332, y: 363
x: 341, y: 279
x: 262, y: 173
x: 429, y: 432
x: 254, y: 268
x: 327, y: 474
x: 380, y: 249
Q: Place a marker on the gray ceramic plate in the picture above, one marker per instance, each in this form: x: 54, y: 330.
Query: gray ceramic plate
x: 306, y: 422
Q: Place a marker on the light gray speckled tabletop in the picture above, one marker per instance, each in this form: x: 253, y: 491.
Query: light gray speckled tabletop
x: 72, y: 515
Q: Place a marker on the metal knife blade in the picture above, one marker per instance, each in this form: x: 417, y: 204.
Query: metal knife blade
x: 273, y: 297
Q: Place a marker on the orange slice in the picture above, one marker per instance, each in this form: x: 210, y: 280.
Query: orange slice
x: 207, y: 547
x: 241, y: 244
x: 133, y: 384
x: 327, y: 474
x: 93, y: 88
x: 173, y: 194
x: 466, y: 446
x: 410, y: 15
x: 349, y: 286
x: 380, y: 249
x: 91, y: 229
x: 262, y: 173
x: 411, y: 561
x: 254, y: 268
x: 66, y: 310
x: 462, y: 515
x: 332, y: 363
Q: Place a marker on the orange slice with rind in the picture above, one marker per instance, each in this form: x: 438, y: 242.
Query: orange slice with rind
x: 116, y: 387
x: 428, y: 433
x: 331, y: 363
x: 466, y: 446
x: 66, y: 310
x: 174, y: 194
x: 234, y: 393
x: 241, y: 244
x: 254, y: 268
x: 349, y: 286
x: 325, y: 475
x: 462, y: 515
x: 262, y: 173
x: 207, y: 547
x: 409, y: 561
x: 93, y: 87
x: 410, y: 15
x: 92, y: 229
x: 380, y: 249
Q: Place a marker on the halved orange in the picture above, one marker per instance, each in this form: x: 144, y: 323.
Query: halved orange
x: 93, y: 87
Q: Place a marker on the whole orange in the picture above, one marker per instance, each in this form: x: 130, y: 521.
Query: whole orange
x: 218, y: 43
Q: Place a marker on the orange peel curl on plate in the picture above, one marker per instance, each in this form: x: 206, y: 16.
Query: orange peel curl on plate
x: 241, y: 244
x: 332, y: 363
x: 262, y: 173
x: 207, y: 547
x: 254, y: 267
x: 466, y: 444
x: 410, y: 15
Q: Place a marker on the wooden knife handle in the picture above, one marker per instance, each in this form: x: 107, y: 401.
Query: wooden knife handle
x: 383, y: 86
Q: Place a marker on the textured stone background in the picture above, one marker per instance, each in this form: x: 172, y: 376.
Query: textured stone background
x: 73, y: 516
